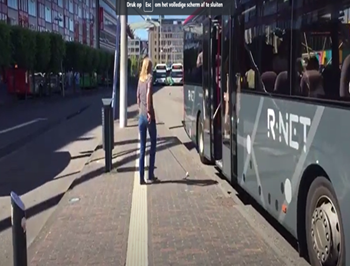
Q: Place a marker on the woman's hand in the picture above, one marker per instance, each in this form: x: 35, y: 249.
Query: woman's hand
x: 149, y: 117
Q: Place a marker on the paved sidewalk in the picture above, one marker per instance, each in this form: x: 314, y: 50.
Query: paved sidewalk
x: 180, y: 221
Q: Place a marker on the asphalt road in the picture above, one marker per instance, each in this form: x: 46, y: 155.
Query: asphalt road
x: 43, y: 147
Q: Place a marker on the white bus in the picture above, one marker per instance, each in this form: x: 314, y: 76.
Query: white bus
x: 176, y: 73
x: 160, y: 74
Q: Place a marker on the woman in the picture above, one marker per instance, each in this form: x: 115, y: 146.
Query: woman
x: 146, y: 120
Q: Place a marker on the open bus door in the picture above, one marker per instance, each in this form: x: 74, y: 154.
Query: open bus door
x: 216, y: 102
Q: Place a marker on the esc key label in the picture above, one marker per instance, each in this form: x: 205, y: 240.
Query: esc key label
x: 148, y: 5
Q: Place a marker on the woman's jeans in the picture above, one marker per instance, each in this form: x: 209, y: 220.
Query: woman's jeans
x: 152, y: 131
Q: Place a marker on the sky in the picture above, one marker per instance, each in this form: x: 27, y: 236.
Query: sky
x: 142, y: 34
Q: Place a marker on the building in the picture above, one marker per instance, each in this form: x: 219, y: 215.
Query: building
x: 91, y: 22
x: 74, y: 19
x: 107, y: 24
x: 166, y: 41
x: 137, y: 47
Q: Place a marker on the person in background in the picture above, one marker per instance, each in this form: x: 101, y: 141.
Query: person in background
x: 146, y: 120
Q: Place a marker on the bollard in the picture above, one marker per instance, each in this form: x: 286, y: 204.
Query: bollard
x: 107, y: 132
x: 19, y: 237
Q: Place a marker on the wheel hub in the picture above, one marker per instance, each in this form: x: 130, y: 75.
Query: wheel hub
x: 325, y: 233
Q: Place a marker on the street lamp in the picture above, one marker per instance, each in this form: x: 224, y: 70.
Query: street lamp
x: 59, y: 19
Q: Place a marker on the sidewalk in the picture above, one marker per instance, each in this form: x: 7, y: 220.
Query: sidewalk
x: 109, y: 219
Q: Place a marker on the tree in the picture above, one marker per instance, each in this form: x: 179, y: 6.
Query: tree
x: 24, y: 47
x: 133, y: 64
x: 43, y: 51
x: 5, y: 45
x: 58, y: 50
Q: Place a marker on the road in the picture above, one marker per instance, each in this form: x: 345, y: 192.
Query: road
x: 43, y: 147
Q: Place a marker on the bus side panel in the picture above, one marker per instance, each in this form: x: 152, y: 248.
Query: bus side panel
x: 278, y: 140
x: 193, y: 99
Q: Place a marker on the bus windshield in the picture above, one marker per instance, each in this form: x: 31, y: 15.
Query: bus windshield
x: 160, y: 75
x: 176, y: 74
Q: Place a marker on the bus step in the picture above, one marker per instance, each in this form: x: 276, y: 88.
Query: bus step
x: 218, y: 163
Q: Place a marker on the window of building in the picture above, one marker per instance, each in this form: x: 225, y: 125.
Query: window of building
x: 71, y: 6
x: 41, y: 9
x: 13, y: 4
x: 32, y: 8
x: 71, y: 25
x: 48, y: 15
x: 80, y: 14
x: 60, y: 3
x: 3, y: 17
x: 23, y: 6
x: 60, y: 20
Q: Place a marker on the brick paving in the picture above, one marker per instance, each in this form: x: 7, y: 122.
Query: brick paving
x: 93, y: 230
x: 190, y: 220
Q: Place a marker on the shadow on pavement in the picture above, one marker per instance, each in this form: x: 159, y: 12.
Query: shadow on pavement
x: 39, y: 161
x: 189, y: 182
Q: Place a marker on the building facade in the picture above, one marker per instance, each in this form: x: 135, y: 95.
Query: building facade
x: 166, y: 41
x: 137, y: 47
x: 73, y: 19
x: 107, y: 24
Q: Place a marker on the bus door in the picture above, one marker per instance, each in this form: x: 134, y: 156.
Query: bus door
x: 226, y: 96
x: 216, y: 107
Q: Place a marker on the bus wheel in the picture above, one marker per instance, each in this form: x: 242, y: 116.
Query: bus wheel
x: 200, y: 141
x: 323, y: 224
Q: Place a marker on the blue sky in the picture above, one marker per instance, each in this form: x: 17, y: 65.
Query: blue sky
x: 143, y: 33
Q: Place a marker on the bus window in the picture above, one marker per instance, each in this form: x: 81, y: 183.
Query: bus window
x: 265, y: 51
x: 322, y: 46
x: 192, y: 54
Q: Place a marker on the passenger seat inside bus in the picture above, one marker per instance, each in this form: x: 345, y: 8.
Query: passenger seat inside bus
x: 345, y: 78
x: 269, y: 78
x: 311, y: 84
x: 282, y: 83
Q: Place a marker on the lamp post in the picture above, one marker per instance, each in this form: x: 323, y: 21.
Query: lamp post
x: 58, y: 20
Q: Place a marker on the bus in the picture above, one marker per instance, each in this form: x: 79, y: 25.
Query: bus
x: 176, y: 74
x: 274, y: 117
x: 160, y: 74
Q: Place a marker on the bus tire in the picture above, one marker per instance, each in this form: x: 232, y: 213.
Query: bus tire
x: 323, y: 224
x: 200, y: 141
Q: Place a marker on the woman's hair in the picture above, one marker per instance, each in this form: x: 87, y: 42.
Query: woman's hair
x: 146, y: 69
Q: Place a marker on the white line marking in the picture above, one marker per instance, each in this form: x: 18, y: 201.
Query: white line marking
x: 137, y: 252
x: 22, y: 125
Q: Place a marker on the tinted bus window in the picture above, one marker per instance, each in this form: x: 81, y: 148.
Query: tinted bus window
x: 265, y: 48
x: 193, y: 57
x: 177, y: 67
x: 160, y: 67
x: 322, y: 49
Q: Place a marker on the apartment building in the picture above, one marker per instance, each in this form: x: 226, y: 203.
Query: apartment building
x: 91, y: 22
x: 137, y: 47
x: 166, y: 41
x: 73, y: 19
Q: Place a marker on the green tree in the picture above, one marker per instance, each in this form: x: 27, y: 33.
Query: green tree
x: 133, y: 64
x: 58, y: 51
x: 5, y: 45
x: 43, y: 51
x: 23, y: 47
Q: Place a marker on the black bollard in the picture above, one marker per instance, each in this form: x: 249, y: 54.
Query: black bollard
x: 19, y: 236
x: 107, y: 132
